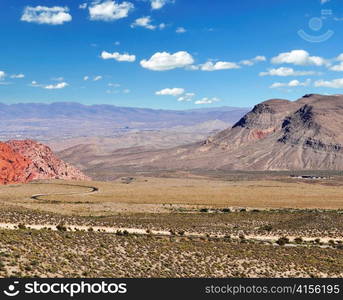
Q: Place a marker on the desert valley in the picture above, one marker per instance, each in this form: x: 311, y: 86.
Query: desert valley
x: 222, y: 192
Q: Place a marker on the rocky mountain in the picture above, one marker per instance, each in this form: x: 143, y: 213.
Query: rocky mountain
x: 277, y: 134
x: 23, y: 161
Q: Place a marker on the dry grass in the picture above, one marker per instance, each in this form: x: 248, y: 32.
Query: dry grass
x: 88, y: 254
x: 157, y: 194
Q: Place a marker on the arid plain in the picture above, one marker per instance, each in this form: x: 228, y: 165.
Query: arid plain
x: 239, y: 225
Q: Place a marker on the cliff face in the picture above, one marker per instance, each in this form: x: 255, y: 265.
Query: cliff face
x: 12, y: 166
x: 279, y: 134
x: 23, y: 161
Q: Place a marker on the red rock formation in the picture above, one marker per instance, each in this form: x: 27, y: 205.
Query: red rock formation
x: 12, y: 166
x: 23, y: 161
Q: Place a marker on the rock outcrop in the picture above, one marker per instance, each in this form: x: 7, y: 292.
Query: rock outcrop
x: 23, y: 161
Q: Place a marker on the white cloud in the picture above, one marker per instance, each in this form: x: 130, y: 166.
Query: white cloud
x: 118, y: 57
x: 337, y: 68
x: 56, y: 15
x: 335, y: 84
x: 60, y: 85
x: 207, y: 100
x: 340, y: 57
x: 220, y: 65
x: 83, y: 5
x: 2, y: 75
x: 287, y: 72
x: 97, y: 78
x: 186, y: 97
x: 292, y: 83
x: 163, y: 61
x: 170, y: 92
x: 145, y: 22
x: 126, y: 91
x: 251, y: 62
x: 157, y: 4
x: 324, y: 1
x: 109, y: 10
x: 299, y: 58
x: 180, y: 30
x: 17, y: 76
x: 85, y: 78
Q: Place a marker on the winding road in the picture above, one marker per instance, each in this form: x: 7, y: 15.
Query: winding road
x: 91, y: 189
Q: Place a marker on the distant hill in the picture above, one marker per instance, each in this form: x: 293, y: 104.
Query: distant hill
x: 68, y: 120
x: 277, y: 134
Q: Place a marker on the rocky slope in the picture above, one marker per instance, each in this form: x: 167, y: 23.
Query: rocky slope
x: 277, y: 134
x: 23, y: 161
x: 12, y: 166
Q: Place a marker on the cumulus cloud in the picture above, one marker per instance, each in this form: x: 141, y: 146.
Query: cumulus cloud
x: 287, y: 72
x: 97, y: 78
x: 109, y: 10
x: 60, y: 85
x: 337, y: 68
x: 83, y: 5
x: 180, y: 30
x: 163, y: 61
x: 292, y: 83
x: 56, y: 15
x: 157, y: 4
x: 2, y: 75
x: 118, y: 57
x: 85, y: 78
x: 170, y: 92
x: 335, y: 83
x: 207, y: 100
x: 253, y: 61
x: 220, y: 65
x: 299, y: 58
x: 17, y: 76
x: 186, y: 97
x: 145, y: 22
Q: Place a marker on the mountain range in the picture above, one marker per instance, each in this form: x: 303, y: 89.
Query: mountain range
x: 66, y: 120
x: 277, y: 134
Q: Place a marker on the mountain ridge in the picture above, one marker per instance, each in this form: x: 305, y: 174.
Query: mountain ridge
x: 277, y: 134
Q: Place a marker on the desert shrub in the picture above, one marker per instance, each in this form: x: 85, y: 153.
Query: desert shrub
x: 61, y: 227
x: 282, y: 241
x: 204, y: 210
x: 226, y: 210
x: 267, y: 227
x: 21, y: 226
x: 298, y: 240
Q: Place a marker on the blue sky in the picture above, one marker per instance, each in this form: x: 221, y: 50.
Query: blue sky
x: 169, y: 54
